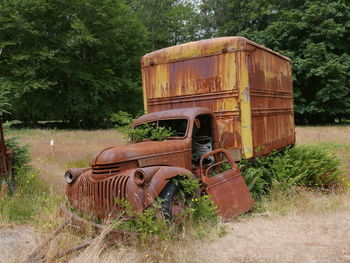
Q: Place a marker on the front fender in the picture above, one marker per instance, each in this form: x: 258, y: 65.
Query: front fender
x: 141, y: 196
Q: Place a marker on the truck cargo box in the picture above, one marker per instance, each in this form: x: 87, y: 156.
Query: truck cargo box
x: 246, y: 85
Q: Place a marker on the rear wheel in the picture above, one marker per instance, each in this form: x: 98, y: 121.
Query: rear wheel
x: 171, y: 204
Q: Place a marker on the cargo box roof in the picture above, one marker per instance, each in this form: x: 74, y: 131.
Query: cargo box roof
x: 200, y: 49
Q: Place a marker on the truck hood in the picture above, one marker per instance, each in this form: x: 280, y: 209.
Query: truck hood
x: 141, y: 151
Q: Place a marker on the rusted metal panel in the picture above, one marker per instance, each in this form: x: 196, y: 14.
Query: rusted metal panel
x: 116, y: 159
x: 271, y: 97
x: 5, y: 160
x: 227, y: 189
x: 98, y: 197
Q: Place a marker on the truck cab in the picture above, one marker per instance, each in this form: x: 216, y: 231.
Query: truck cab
x: 194, y: 131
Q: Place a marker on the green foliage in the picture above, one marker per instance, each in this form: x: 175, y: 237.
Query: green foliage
x: 73, y: 61
x: 31, y: 198
x: 121, y: 119
x: 4, y: 102
x: 21, y: 157
x: 147, y: 224
x: 148, y: 131
x: 200, y: 213
x: 225, y: 166
x: 309, y: 165
x: 202, y: 210
x: 255, y: 175
x: 188, y: 186
x: 176, y: 21
x: 30, y: 201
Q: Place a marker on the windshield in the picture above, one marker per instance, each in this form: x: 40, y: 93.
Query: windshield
x: 160, y: 130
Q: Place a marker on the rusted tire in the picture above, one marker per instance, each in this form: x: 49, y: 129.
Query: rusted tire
x: 171, y: 204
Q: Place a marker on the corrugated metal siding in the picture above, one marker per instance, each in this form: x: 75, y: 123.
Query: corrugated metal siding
x: 207, y: 81
x: 271, y: 96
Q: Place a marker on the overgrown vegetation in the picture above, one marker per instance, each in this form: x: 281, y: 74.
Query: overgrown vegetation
x: 29, y: 198
x: 146, y: 131
x: 31, y: 201
x: 311, y: 166
x: 20, y: 154
x: 199, y: 214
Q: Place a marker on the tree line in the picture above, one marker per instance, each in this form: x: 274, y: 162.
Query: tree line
x: 77, y: 61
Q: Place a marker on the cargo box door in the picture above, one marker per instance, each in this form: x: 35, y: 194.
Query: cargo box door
x: 224, y: 184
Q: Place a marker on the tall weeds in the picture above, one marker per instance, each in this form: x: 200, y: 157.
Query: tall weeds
x: 31, y: 198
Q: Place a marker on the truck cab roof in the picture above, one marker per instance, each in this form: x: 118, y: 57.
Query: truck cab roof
x: 190, y: 113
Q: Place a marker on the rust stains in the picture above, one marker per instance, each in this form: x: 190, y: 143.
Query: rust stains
x: 5, y: 160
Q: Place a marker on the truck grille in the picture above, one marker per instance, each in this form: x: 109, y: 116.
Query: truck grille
x: 100, y: 197
x: 100, y: 171
x: 106, y: 169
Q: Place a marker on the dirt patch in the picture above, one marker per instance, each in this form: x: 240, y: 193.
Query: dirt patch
x: 16, y: 243
x: 300, y: 238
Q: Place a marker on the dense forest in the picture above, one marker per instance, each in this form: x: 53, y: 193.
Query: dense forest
x: 77, y: 61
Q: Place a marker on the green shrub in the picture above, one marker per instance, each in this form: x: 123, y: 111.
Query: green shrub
x: 307, y: 165
x: 21, y: 156
x: 202, y: 210
x: 148, y: 131
x: 150, y: 224
x: 121, y: 119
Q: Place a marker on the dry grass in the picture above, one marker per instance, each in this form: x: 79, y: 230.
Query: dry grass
x: 317, y: 134
x: 315, y: 228
x: 71, y: 149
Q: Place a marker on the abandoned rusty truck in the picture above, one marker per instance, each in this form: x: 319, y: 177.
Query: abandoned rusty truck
x: 225, y: 99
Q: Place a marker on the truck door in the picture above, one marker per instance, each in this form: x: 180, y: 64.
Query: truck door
x: 225, y: 185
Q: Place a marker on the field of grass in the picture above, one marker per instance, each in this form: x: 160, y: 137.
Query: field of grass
x: 335, y: 137
x: 261, y: 231
x: 70, y: 149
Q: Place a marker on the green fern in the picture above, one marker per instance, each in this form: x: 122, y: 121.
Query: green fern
x: 307, y: 165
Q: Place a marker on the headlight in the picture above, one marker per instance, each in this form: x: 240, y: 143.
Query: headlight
x: 139, y: 177
x: 72, y: 174
x: 69, y: 177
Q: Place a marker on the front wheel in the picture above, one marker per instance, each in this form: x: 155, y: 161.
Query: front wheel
x: 171, y: 203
